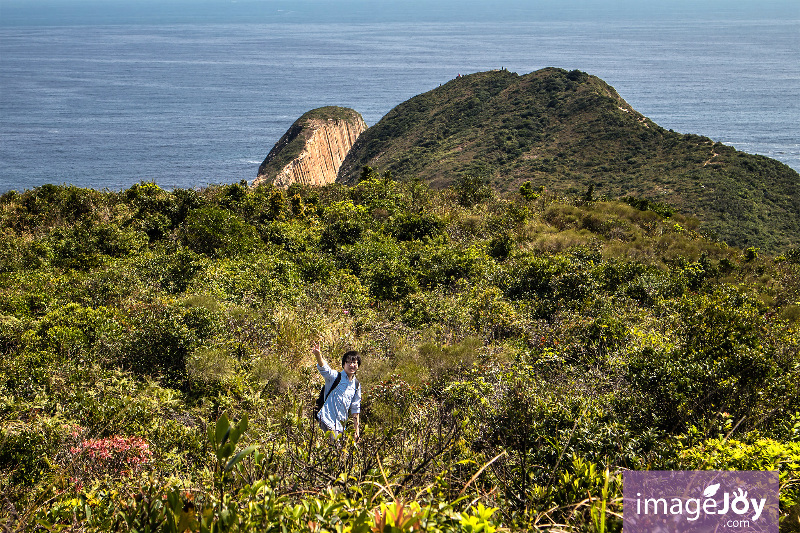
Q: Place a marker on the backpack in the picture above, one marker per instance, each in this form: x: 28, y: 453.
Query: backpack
x: 322, y: 398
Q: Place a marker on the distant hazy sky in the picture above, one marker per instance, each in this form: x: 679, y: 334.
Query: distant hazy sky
x: 68, y: 12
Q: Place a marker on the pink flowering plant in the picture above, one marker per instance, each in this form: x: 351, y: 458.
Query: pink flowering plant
x: 116, y: 457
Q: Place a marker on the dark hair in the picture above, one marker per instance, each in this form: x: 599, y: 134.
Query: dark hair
x: 348, y: 355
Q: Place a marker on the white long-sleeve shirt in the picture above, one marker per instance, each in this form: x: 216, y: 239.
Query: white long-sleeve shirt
x: 345, y: 397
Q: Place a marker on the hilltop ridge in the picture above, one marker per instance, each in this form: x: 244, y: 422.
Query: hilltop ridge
x: 567, y: 131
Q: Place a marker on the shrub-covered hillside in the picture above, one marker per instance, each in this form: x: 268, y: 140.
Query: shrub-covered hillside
x: 519, y: 354
x: 567, y: 131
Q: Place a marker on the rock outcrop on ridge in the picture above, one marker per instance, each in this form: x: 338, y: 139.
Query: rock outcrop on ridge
x: 313, y: 148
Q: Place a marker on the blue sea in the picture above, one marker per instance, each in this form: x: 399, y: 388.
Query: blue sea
x: 188, y: 104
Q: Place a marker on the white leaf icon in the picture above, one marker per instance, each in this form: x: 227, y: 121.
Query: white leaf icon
x: 711, y: 490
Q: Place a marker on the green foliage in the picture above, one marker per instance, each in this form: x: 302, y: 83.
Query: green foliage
x: 74, y: 332
x: 564, y: 132
x: 344, y: 223
x: 443, y: 265
x: 25, y: 452
x: 277, y: 202
x: 158, y: 341
x: 379, y: 194
x: 218, y: 233
x: 471, y: 190
x: 170, y: 270
x: 527, y: 192
x: 413, y: 227
x: 293, y: 236
x: 517, y: 354
x: 501, y: 246
x: 645, y: 204
x: 224, y: 438
x: 751, y: 254
x: 762, y: 454
x: 720, y: 364
x: 84, y: 245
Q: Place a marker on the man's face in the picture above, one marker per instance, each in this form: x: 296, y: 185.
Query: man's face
x: 350, y: 366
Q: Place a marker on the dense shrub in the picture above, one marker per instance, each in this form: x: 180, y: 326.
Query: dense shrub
x: 720, y: 364
x: 762, y: 454
x: 505, y: 361
x: 158, y: 342
x: 390, y: 279
x: 344, y: 223
x: 25, y: 451
x: 441, y: 265
x: 84, y: 245
x: 471, y: 189
x: 218, y: 233
x: 411, y: 227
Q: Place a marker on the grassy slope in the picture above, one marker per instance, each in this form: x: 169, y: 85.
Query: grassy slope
x: 565, y: 131
x: 294, y: 140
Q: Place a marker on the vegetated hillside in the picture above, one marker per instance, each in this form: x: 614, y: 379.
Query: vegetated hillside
x: 519, y: 353
x: 566, y: 131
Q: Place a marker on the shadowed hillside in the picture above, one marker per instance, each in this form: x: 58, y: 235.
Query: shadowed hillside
x: 566, y: 131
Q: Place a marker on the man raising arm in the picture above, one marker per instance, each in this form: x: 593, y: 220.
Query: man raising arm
x: 341, y: 396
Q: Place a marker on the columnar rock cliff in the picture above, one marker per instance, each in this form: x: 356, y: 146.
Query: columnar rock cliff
x: 312, y: 150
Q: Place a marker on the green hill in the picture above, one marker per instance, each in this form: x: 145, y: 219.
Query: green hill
x: 566, y: 131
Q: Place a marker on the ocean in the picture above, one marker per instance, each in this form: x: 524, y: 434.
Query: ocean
x: 186, y: 105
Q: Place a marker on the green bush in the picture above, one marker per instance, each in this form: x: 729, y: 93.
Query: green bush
x: 344, y: 223
x: 76, y: 332
x: 293, y: 236
x: 761, y: 454
x: 500, y: 247
x: 442, y: 265
x: 719, y: 365
x: 412, y: 227
x: 83, y: 245
x: 471, y: 189
x: 551, y: 281
x: 157, y: 343
x: 250, y: 280
x: 218, y: 233
x: 26, y: 451
x: 390, y: 279
x: 17, y: 253
x: 169, y: 270
x: 436, y: 309
x: 378, y: 192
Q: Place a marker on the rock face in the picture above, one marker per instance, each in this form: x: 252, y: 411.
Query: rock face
x: 313, y: 148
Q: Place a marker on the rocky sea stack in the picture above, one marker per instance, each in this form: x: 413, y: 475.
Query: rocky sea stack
x: 313, y: 149
x: 566, y: 132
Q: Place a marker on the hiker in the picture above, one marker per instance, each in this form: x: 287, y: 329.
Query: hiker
x: 341, y: 397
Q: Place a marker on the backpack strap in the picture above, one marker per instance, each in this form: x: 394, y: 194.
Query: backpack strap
x: 335, y: 384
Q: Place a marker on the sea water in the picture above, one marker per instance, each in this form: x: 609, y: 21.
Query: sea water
x: 186, y: 105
